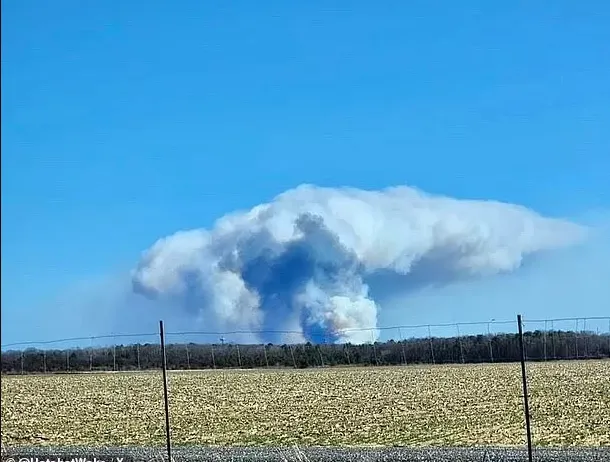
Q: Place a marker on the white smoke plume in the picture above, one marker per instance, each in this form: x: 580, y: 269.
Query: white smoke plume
x: 320, y: 261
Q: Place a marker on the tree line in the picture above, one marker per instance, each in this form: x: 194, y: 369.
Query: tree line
x: 539, y: 345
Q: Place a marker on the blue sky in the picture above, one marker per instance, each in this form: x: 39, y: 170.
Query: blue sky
x: 126, y: 121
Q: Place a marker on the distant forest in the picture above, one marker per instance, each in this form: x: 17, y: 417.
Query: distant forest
x: 547, y: 345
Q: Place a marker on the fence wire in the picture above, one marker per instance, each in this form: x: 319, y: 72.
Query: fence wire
x: 448, y: 343
x: 470, y: 401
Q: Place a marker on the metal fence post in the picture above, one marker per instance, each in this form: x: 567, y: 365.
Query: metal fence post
x: 525, y: 397
x: 321, y: 357
x: 374, y: 348
x: 91, y: 355
x: 402, y: 347
x: 553, y: 338
x: 576, y: 339
x: 346, y: 351
x: 265, y: 353
x: 165, y: 397
x: 431, y: 344
x: 489, y: 339
x: 544, y: 335
x: 238, y: 356
x: 584, y: 331
x: 460, y: 341
x: 292, y: 354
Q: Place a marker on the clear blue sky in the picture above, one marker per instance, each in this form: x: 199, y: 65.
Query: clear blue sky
x: 125, y: 121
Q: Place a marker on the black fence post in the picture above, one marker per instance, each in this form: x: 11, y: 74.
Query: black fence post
x: 525, y: 397
x: 165, y: 397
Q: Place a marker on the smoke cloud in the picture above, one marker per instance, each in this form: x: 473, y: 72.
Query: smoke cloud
x: 321, y: 261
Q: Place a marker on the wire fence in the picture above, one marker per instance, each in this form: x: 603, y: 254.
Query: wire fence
x: 428, y: 403
x: 468, y: 342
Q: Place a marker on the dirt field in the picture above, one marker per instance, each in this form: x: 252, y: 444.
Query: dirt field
x: 415, y: 406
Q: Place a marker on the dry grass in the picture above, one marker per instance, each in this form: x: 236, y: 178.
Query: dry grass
x: 442, y: 405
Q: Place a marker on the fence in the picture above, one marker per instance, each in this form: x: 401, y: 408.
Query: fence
x: 472, y: 342
x: 478, y: 405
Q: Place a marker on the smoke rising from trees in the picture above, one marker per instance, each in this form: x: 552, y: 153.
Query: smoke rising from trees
x: 320, y: 260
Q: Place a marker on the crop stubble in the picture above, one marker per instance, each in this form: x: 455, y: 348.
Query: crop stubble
x: 415, y: 405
